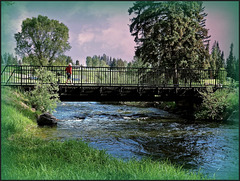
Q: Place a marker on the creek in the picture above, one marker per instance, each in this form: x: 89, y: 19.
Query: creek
x: 134, y: 132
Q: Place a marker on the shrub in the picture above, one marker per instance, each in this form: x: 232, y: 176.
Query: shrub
x: 233, y: 101
x: 45, y: 95
x: 218, y: 105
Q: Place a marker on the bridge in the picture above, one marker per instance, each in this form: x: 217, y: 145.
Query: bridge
x: 120, y: 83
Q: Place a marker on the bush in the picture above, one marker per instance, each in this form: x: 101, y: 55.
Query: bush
x: 45, y: 95
x: 218, y: 105
x: 233, y: 101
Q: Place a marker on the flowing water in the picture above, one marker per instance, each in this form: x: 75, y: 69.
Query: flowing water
x: 127, y: 132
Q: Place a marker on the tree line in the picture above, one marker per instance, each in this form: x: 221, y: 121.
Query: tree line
x: 217, y: 61
x: 105, y: 61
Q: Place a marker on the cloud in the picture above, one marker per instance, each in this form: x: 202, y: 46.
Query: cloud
x: 95, y: 28
x: 113, y: 38
x: 12, y: 17
x: 117, y: 37
x: 85, y: 37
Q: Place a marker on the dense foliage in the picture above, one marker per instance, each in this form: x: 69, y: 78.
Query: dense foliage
x: 170, y: 34
x: 45, y: 95
x: 217, y: 57
x: 42, y: 39
x: 218, y: 105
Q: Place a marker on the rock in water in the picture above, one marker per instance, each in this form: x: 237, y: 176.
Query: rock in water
x: 47, y: 119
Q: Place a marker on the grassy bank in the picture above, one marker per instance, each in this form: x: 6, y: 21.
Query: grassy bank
x: 29, y: 157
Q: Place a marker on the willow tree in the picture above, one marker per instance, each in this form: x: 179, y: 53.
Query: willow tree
x: 42, y: 39
x: 170, y: 34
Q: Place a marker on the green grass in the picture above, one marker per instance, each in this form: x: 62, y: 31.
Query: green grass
x: 29, y: 157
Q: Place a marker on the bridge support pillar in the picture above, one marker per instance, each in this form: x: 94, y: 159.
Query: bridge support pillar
x: 188, y: 106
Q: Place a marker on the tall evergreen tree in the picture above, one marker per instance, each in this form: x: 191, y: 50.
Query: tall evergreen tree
x: 222, y: 59
x: 230, y: 63
x: 215, y: 58
x: 237, y: 70
x: 114, y: 63
x: 170, y: 34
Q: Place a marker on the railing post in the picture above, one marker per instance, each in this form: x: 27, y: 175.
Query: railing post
x: 81, y: 75
x: 138, y: 77
x: 21, y: 75
x: 110, y: 76
x: 215, y: 75
x: 190, y: 80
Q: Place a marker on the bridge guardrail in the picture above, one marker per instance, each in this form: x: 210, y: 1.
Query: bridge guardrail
x: 118, y: 76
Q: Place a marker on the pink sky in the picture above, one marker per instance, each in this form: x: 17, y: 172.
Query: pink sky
x: 101, y: 27
x: 223, y: 24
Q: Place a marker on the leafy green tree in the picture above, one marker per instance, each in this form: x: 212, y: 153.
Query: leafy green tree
x: 89, y: 61
x: 120, y: 63
x: 170, y: 34
x: 102, y: 63
x: 69, y: 60
x: 44, y: 97
x: 95, y: 61
x: 62, y: 60
x: 33, y: 60
x: 42, y: 38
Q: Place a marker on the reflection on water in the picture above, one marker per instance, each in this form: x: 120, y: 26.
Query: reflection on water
x: 128, y: 132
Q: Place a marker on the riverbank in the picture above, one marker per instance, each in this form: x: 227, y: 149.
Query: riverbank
x: 25, y: 155
x: 216, y: 106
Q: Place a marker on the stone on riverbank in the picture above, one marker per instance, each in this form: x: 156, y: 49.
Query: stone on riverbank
x: 47, y: 119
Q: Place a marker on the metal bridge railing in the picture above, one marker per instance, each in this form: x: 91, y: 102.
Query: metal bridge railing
x: 118, y: 76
